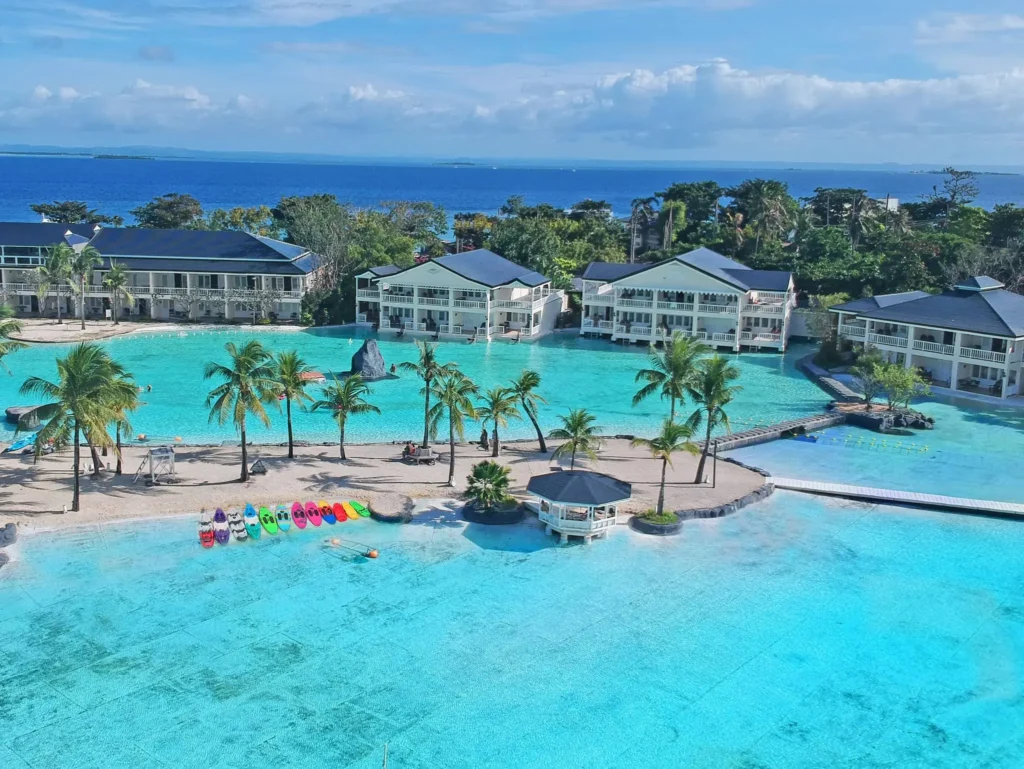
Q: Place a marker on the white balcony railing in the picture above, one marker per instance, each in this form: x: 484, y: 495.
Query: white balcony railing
x: 760, y: 336
x: 678, y: 306
x: 570, y: 525
x: 469, y: 305
x: 387, y: 298
x: 433, y: 301
x: 702, y: 335
x: 857, y: 332
x: 368, y: 293
x: 507, y: 304
x: 724, y: 338
x: 606, y: 325
x: 973, y: 354
x: 361, y: 317
x: 889, y: 341
x: 642, y: 303
x: 385, y: 323
x: 599, y: 298
x: 408, y: 325
x: 765, y: 309
x: 716, y: 309
x: 941, y: 349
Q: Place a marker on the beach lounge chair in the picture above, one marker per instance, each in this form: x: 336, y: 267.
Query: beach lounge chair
x: 423, y: 456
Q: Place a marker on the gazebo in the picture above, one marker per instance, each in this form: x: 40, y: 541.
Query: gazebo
x: 578, y: 503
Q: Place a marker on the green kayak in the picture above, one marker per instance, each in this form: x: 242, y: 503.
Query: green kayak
x: 359, y: 508
x: 269, y: 520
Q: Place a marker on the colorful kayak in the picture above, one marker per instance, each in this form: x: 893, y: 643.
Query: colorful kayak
x: 269, y: 520
x: 22, y: 443
x: 252, y: 522
x: 313, y: 514
x: 237, y: 526
x: 284, y: 518
x: 299, y: 515
x: 326, y: 512
x: 339, y: 511
x: 350, y: 511
x: 206, y: 535
x: 359, y: 508
x: 220, y: 527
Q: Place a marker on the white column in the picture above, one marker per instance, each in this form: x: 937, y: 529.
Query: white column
x: 910, y: 345
x: 739, y: 322
x: 955, y: 374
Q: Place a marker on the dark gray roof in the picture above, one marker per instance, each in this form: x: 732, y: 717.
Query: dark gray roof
x: 761, y: 280
x: 192, y: 244
x: 387, y: 269
x: 611, y: 271
x: 486, y: 268
x: 994, y: 312
x: 979, y: 283
x: 225, y: 266
x: 34, y: 234
x: 580, y: 487
x: 869, y: 303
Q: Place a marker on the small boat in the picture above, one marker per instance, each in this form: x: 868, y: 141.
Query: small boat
x: 252, y: 521
x: 339, y: 511
x: 313, y: 514
x: 299, y: 515
x: 327, y: 513
x: 284, y: 518
x: 360, y: 508
x: 220, y: 527
x: 350, y: 511
x: 269, y: 520
x: 21, y: 443
x: 206, y: 535
x: 237, y: 526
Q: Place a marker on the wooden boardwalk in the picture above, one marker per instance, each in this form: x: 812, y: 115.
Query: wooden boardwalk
x: 779, y: 430
x: 890, y: 496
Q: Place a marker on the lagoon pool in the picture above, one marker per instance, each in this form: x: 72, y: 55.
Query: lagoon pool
x: 575, y: 373
x: 796, y: 634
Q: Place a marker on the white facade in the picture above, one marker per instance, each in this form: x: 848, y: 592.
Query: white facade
x: 431, y: 299
x: 651, y: 305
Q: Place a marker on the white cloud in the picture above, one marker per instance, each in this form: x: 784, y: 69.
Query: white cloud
x: 972, y: 43
x: 963, y: 27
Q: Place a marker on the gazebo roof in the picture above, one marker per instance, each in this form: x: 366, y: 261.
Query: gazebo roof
x: 580, y: 487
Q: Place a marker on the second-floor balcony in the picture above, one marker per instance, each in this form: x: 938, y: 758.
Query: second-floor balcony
x: 368, y: 293
x: 973, y: 353
x: 433, y: 301
x: 635, y: 302
x: 765, y: 309
x: 760, y: 335
x: 677, y: 306
x: 595, y: 298
x: 387, y: 298
x: 716, y: 309
x: 888, y: 341
x: 933, y: 347
x: 853, y: 331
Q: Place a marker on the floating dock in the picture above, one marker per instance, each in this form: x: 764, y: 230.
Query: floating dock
x: 893, y: 497
x: 779, y: 430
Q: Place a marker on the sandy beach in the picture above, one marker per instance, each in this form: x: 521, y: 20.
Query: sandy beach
x: 33, y: 495
x: 48, y: 331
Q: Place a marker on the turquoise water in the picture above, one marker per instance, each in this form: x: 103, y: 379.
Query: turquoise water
x: 794, y: 634
x: 575, y: 373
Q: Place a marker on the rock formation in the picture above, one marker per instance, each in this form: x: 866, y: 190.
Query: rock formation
x: 368, y: 362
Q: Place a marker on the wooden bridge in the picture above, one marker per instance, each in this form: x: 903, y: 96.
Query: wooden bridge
x: 778, y: 430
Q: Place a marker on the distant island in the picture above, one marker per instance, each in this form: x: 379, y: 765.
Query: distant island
x: 75, y: 155
x: 455, y: 164
x: 940, y: 172
x: 123, y: 157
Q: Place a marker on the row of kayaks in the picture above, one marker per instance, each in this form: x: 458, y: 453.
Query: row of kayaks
x: 221, y: 527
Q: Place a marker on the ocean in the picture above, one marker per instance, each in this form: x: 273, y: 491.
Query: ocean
x: 115, y: 186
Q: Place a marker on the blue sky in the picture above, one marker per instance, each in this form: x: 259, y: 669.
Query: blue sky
x: 913, y: 81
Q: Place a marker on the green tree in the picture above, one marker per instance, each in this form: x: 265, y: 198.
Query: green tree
x: 453, y: 395
x: 1006, y: 225
x: 472, y: 230
x: 673, y: 219
x: 701, y: 200
x: 248, y: 386
x: 712, y: 391
x: 289, y: 371
x: 257, y: 220
x: 866, y: 372
x: 125, y: 402
x: 81, y: 268
x: 9, y: 327
x: 673, y: 438
x: 89, y: 395
x: 766, y: 206
x: 173, y: 211
x: 118, y: 282
x: 499, y: 406
x: 343, y: 399
x: 901, y: 384
x: 671, y: 371
x: 525, y: 389
x: 579, y: 435
x: 822, y: 324
x: 526, y: 241
x: 54, y: 272
x: 427, y: 368
x: 74, y: 212
x: 487, y: 485
x: 641, y: 213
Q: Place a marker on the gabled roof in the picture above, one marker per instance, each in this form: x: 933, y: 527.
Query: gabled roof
x: 979, y: 283
x: 703, y: 260
x: 580, y: 487
x: 869, y: 303
x: 993, y: 312
x: 486, y: 268
x: 609, y: 271
x: 761, y: 280
x: 192, y: 244
x: 40, y: 234
x: 384, y: 270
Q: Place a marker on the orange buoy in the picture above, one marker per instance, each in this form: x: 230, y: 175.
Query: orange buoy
x: 372, y: 554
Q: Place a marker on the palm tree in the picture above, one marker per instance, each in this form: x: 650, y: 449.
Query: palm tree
x: 89, y: 395
x: 126, y: 402
x: 289, y: 369
x: 579, y: 435
x: 428, y: 369
x: 117, y: 280
x: 54, y: 272
x: 524, y: 388
x: 80, y: 268
x: 9, y: 326
x: 766, y: 208
x: 248, y: 386
x: 488, y: 484
x: 641, y: 211
x: 453, y: 392
x: 499, y: 406
x: 670, y: 211
x: 712, y: 392
x: 344, y: 398
x: 672, y: 438
x: 671, y: 370
x: 861, y: 217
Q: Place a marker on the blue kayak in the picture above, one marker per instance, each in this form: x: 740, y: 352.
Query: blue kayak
x: 22, y: 443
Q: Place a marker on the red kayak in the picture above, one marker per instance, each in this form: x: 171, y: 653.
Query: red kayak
x: 207, y: 536
x: 299, y: 515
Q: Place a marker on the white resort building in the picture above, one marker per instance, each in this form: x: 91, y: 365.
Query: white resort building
x: 969, y: 338
x: 701, y: 294
x: 476, y: 294
x: 174, y: 274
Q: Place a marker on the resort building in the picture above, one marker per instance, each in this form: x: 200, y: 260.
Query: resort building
x: 700, y: 294
x: 476, y: 293
x: 174, y: 274
x: 969, y: 338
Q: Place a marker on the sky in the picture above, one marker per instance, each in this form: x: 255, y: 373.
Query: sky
x: 905, y: 81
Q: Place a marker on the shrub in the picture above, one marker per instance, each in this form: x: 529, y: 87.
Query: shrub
x: 488, y: 485
x: 652, y: 516
x: 306, y: 319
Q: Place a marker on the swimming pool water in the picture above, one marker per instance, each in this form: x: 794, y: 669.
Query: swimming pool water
x: 794, y: 634
x: 575, y: 373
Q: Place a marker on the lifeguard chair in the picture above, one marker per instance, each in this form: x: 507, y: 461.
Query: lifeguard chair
x: 160, y: 463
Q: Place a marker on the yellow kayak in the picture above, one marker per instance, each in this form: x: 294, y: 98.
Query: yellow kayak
x: 350, y: 511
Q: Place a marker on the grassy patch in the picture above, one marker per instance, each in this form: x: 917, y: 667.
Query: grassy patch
x: 651, y: 516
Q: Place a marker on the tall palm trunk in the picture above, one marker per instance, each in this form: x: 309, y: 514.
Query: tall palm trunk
x: 341, y: 441
x: 114, y: 307
x: 496, y: 449
x: 291, y: 442
x: 81, y: 298
x: 661, y: 489
x: 60, y: 320
x: 77, y: 464
x: 533, y: 419
x: 426, y: 413
x: 704, y: 453
x: 632, y: 240
x: 97, y: 463
x: 451, y: 449
x: 572, y: 461
x: 117, y: 470
x: 245, y: 458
